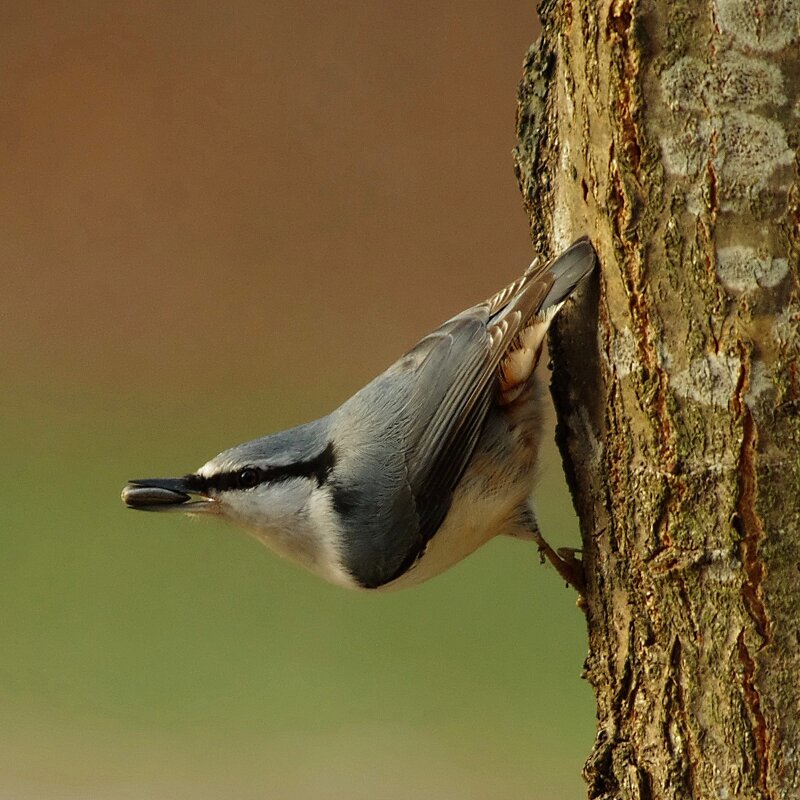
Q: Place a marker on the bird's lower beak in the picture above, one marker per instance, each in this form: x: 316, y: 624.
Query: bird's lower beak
x: 165, y: 494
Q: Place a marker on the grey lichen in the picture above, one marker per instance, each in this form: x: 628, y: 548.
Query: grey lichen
x: 744, y: 269
x: 749, y: 150
x: 713, y: 380
x: 766, y: 26
x: 725, y: 123
x: 734, y: 79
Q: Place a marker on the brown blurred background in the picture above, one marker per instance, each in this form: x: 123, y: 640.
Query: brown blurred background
x: 219, y: 220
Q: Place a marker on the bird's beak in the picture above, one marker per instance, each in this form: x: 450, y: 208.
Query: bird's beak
x: 165, y: 494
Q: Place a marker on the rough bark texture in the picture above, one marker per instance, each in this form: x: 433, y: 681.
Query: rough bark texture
x: 669, y: 132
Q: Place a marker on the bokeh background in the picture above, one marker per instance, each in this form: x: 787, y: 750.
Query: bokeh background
x: 218, y: 220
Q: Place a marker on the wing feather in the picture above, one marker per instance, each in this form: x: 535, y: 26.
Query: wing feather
x: 450, y: 384
x: 444, y: 446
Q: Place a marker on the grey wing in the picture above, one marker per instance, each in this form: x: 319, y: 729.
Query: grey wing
x: 463, y: 359
x: 413, y: 429
x: 428, y: 411
x: 453, y: 393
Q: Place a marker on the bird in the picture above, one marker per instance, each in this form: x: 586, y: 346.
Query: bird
x: 419, y: 468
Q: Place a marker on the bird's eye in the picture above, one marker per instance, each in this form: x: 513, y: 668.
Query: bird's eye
x: 247, y: 478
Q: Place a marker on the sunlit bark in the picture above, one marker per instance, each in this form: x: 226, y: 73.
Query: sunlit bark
x: 668, y: 132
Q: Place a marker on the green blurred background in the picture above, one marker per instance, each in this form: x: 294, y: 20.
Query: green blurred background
x: 219, y: 220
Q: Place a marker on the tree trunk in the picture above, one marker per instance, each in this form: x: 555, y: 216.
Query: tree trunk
x: 668, y: 132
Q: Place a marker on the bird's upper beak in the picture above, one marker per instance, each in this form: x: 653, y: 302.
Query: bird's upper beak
x: 165, y: 494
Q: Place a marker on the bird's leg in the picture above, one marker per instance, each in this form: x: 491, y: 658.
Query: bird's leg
x: 568, y: 566
x: 564, y: 560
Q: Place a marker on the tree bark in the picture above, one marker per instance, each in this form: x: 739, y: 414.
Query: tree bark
x: 668, y: 132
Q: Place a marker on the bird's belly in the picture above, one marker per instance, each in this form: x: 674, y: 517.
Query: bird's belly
x: 454, y: 541
x: 470, y: 523
x: 491, y: 495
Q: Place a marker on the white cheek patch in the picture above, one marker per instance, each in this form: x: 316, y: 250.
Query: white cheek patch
x: 295, y: 519
x: 269, y: 504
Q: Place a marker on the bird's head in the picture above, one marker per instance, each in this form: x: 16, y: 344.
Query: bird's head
x: 274, y: 487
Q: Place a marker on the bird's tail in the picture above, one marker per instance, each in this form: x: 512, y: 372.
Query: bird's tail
x: 568, y: 270
x: 535, y: 300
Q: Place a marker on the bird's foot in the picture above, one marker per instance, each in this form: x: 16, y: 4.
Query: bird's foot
x: 566, y: 562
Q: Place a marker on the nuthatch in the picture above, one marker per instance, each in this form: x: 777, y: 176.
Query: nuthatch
x: 416, y: 470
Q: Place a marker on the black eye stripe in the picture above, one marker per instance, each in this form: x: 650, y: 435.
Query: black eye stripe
x: 248, y: 477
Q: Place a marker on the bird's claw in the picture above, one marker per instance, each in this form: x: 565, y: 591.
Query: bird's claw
x: 568, y: 566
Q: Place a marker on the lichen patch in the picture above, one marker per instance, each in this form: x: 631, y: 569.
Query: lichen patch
x: 623, y: 356
x: 759, y: 383
x: 710, y: 380
x: 786, y: 327
x: 713, y: 380
x: 752, y: 148
x: 734, y: 79
x: 766, y: 26
x: 749, y: 150
x: 743, y: 269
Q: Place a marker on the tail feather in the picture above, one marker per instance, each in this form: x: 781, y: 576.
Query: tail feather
x: 542, y: 294
x: 569, y: 269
